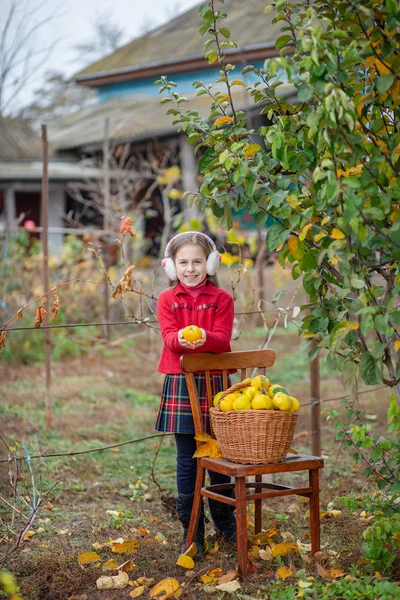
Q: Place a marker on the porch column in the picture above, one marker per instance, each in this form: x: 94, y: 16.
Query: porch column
x: 9, y: 197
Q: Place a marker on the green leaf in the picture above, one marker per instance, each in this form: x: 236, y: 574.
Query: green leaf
x: 277, y: 234
x: 206, y: 160
x: 385, y: 82
x: 282, y: 41
x: 368, y: 369
x: 225, y: 32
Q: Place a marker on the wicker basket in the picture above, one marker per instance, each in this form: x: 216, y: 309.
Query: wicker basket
x: 252, y: 436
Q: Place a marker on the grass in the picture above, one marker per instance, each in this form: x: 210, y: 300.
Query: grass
x: 112, y: 398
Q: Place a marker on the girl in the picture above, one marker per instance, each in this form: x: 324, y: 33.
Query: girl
x: 194, y: 298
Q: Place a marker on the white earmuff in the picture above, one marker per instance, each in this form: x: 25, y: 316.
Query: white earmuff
x: 213, y: 259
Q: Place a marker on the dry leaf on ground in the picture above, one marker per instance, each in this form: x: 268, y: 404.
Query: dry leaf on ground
x: 212, y: 575
x: 284, y: 548
x: 110, y: 565
x: 116, y: 582
x: 185, y: 561
x: 137, y: 592
x: 166, y: 588
x: 230, y: 576
x: 86, y: 558
x: 230, y: 586
x: 335, y: 572
x: 125, y: 547
x: 284, y: 573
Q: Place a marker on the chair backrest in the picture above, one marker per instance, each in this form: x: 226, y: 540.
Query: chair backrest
x: 245, y: 362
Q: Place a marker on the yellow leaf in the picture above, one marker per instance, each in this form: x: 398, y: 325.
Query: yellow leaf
x: 185, y: 561
x: 125, y: 547
x: 169, y: 588
x: 191, y: 551
x: 137, y: 592
x: 211, y: 449
x: 238, y: 82
x: 304, y: 584
x: 251, y: 149
x: 284, y: 572
x: 337, y: 234
x: 325, y: 220
x: 336, y: 572
x: 144, y: 530
x: 127, y: 566
x: 319, y: 236
x: 86, y: 558
x: 396, y: 345
x: 223, y: 99
x: 222, y: 121
x: 265, y: 554
x: 293, y: 245
x: 203, y: 437
x: 212, y: 575
x: 110, y: 565
x: 304, y: 231
x: 284, y: 548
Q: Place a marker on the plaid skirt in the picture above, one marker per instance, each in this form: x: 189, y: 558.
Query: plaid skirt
x: 175, y: 414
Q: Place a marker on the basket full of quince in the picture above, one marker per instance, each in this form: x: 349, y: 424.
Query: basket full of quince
x: 254, y: 421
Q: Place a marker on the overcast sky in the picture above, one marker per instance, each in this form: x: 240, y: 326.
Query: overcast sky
x: 73, y: 26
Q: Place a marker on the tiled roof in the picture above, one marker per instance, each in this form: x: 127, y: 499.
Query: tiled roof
x: 18, y: 141
x: 131, y: 118
x: 179, y: 39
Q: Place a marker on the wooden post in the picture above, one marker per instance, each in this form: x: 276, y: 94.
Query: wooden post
x: 106, y: 225
x: 45, y: 250
x: 315, y: 393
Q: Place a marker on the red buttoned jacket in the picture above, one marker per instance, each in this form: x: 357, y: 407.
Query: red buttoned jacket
x: 212, y: 310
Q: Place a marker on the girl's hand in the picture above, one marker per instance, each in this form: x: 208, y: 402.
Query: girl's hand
x: 192, y: 345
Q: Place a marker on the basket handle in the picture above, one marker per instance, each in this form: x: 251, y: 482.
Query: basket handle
x: 234, y: 388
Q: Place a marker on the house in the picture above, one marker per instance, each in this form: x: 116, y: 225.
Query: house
x: 128, y: 111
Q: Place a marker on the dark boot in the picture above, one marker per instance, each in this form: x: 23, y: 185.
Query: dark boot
x: 223, y: 517
x: 184, y: 504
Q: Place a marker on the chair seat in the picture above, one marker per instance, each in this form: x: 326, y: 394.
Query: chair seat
x: 293, y: 462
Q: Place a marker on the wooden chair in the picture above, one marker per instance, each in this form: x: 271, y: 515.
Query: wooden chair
x: 245, y: 362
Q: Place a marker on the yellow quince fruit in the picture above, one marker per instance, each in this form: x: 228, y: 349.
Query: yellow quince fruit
x: 226, y: 405
x: 272, y: 388
x: 217, y: 397
x: 281, y: 401
x: 241, y: 403
x: 262, y: 402
x: 251, y: 391
x: 295, y: 404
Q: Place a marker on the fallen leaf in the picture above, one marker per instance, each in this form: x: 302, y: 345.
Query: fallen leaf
x: 304, y: 584
x: 330, y: 513
x: 86, y: 558
x: 323, y: 572
x: 48, y: 506
x: 336, y: 572
x: 254, y: 552
x: 265, y: 554
x: 214, y: 549
x: 143, y: 531
x: 110, y: 565
x: 284, y: 572
x: 287, y: 535
x: 97, y: 546
x: 229, y: 587
x: 211, y: 449
x: 126, y: 225
x: 169, y: 588
x: 127, y: 566
x: 284, y: 548
x: 119, y: 582
x: 160, y: 538
x: 125, y: 546
x: 227, y: 577
x: 191, y: 551
x: 185, y: 561
x: 212, y: 575
x: 137, y: 592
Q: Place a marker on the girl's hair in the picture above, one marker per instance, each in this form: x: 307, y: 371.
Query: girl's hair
x: 186, y: 240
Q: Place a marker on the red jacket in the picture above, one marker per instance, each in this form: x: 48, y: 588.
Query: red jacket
x: 213, y: 311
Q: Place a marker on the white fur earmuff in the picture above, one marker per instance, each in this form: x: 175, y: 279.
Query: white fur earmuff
x: 213, y: 259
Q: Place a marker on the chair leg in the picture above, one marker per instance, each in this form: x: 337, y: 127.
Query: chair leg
x: 314, y: 511
x: 257, y: 508
x: 194, y: 519
x: 241, y: 525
